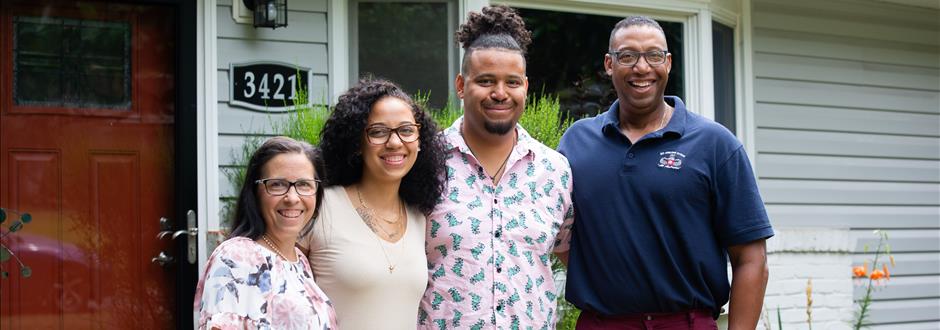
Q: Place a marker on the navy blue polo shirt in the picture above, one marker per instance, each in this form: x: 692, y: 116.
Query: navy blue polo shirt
x: 653, y: 219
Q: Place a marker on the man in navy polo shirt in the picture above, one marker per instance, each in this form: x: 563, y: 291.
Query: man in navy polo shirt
x: 663, y: 198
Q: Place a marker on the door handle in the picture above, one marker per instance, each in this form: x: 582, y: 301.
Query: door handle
x: 174, y: 234
x: 162, y: 259
x: 191, y: 231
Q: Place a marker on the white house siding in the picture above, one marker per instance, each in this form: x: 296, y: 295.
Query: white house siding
x: 847, y: 114
x: 303, y: 42
x: 797, y: 255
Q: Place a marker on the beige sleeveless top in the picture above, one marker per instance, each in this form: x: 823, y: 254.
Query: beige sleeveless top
x: 349, y: 264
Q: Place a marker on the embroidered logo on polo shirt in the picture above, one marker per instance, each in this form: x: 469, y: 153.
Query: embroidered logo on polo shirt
x: 671, y: 159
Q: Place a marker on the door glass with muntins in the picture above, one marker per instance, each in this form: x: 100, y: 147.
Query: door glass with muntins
x: 76, y: 63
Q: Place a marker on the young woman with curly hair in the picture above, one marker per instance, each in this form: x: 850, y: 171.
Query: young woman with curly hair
x: 384, y: 166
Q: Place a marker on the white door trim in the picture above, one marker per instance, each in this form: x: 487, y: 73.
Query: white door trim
x: 207, y: 134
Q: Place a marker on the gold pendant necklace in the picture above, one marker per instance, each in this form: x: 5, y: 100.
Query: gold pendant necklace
x: 273, y: 247
x: 375, y: 214
x: 367, y: 213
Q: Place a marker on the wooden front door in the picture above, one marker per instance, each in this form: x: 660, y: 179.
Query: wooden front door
x: 86, y: 147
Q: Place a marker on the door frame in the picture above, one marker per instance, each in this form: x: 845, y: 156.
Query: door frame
x: 185, y: 144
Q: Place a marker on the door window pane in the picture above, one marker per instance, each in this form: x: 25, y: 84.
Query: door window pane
x: 75, y: 63
x: 407, y: 43
x: 723, y: 58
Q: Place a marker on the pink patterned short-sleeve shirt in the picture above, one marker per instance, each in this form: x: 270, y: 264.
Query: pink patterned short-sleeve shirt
x: 489, y: 246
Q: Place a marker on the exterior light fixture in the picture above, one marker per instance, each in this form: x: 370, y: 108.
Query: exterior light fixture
x: 268, y: 13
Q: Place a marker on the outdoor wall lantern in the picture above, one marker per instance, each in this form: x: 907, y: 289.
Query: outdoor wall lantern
x: 268, y: 13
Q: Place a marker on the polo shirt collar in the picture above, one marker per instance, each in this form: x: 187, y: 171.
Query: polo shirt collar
x: 610, y: 122
x: 454, y: 140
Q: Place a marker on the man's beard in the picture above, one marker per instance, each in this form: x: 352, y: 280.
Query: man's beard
x: 498, y: 128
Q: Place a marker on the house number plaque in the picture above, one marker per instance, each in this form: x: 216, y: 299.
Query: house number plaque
x: 267, y: 86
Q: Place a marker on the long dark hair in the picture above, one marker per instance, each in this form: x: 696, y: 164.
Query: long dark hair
x: 341, y: 144
x: 248, y: 221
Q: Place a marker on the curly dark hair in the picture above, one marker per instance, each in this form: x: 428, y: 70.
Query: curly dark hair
x: 498, y: 26
x: 248, y: 221
x: 341, y: 144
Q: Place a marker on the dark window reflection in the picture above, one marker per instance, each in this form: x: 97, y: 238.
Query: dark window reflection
x: 408, y: 44
x: 566, y: 58
x: 62, y: 62
x: 723, y: 58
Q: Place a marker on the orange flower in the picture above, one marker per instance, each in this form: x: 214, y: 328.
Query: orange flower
x: 887, y: 273
x: 859, y: 271
x: 877, y: 274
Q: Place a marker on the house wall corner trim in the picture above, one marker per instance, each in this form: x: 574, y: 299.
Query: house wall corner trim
x: 338, y: 41
x: 207, y: 125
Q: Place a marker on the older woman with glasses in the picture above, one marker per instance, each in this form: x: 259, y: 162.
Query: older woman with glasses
x: 257, y: 278
x: 384, y: 170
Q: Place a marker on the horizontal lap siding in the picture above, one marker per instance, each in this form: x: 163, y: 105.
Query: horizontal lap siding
x: 303, y: 42
x: 847, y: 109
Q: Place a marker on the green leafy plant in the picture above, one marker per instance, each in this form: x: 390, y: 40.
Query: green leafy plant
x: 5, y: 252
x: 304, y: 123
x: 544, y: 121
x: 443, y: 117
x: 873, y: 280
x: 878, y: 277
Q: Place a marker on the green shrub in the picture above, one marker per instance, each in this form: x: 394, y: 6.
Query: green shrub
x: 543, y: 120
x: 304, y: 124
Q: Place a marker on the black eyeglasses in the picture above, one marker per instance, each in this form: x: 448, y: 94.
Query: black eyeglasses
x: 380, y: 134
x: 280, y: 187
x: 630, y: 58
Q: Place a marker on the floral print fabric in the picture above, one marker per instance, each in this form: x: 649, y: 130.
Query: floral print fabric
x: 247, y: 286
x: 489, y: 246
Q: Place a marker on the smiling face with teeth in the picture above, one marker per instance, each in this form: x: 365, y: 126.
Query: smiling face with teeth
x: 389, y: 162
x: 493, y: 90
x: 285, y: 216
x: 639, y: 87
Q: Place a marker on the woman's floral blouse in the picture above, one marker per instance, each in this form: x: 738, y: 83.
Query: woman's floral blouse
x: 247, y: 286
